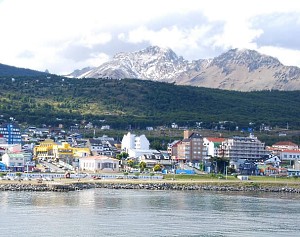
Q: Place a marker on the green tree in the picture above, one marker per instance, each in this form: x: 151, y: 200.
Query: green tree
x: 157, y: 167
x: 122, y: 156
x: 142, y: 165
x: 130, y: 163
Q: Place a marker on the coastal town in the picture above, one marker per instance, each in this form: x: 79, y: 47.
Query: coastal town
x: 55, y: 153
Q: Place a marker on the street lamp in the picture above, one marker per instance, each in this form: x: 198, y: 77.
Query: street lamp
x: 174, y: 169
x: 226, y: 171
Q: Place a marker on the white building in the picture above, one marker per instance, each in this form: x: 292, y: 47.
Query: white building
x: 131, y: 141
x: 14, y: 161
x: 239, y: 149
x: 99, y: 164
x: 135, y: 153
x: 213, y: 145
x: 290, y: 155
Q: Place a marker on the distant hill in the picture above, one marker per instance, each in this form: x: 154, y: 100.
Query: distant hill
x: 141, y: 103
x: 11, y: 71
x: 240, y: 70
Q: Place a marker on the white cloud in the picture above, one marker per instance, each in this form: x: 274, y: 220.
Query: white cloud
x: 287, y: 57
x: 91, y: 39
x: 231, y: 38
x: 35, y: 33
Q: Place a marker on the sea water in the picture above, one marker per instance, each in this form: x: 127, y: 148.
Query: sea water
x: 109, y: 212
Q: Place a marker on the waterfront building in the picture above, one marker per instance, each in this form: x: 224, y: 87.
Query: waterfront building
x: 14, y: 162
x: 11, y: 132
x: 44, y: 150
x: 291, y: 156
x: 173, y: 149
x: 2, y: 166
x: 100, y: 146
x: 239, y: 149
x: 157, y: 157
x: 131, y: 141
x: 99, y: 164
x: 191, y: 149
x: 66, y: 153
x: 213, y: 146
x: 285, y: 145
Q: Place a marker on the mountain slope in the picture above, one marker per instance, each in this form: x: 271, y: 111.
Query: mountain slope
x: 6, y: 70
x: 141, y: 103
x: 242, y: 70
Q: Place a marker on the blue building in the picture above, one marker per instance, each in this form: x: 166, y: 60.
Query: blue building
x: 11, y: 132
x: 2, y: 166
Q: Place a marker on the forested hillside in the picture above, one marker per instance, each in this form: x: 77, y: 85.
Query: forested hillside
x: 6, y: 70
x: 45, y: 100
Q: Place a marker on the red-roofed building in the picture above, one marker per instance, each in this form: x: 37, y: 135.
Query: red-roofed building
x: 213, y: 145
x: 285, y: 145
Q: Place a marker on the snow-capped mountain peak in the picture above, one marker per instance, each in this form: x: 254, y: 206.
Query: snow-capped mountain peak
x: 236, y: 69
x: 152, y: 63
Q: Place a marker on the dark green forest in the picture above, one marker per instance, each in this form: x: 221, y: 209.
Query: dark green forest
x: 54, y: 100
x: 6, y: 70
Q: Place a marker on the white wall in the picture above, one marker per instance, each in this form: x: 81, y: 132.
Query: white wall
x: 131, y: 141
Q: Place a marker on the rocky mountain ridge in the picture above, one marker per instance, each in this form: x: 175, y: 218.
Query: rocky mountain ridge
x: 242, y: 70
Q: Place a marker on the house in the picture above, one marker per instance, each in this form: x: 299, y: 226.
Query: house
x: 99, y: 164
x: 156, y: 158
x: 99, y: 146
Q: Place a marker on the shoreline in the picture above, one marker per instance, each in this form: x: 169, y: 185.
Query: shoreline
x: 67, y: 185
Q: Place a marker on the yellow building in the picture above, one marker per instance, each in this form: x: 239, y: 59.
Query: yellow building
x: 66, y: 153
x: 48, y: 149
x: 44, y: 150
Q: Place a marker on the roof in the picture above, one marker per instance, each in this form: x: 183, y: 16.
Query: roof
x: 95, y: 141
x: 15, y: 155
x: 186, y: 140
x: 99, y: 157
x: 285, y: 143
x: 174, y: 143
x: 216, y: 139
x: 195, y: 135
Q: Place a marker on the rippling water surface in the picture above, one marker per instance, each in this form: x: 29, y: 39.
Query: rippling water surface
x: 106, y: 212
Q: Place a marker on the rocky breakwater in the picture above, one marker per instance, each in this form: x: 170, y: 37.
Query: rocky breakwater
x: 54, y: 187
x: 223, y: 187
x: 249, y: 187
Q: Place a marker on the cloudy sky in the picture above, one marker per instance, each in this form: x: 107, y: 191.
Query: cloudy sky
x: 63, y: 35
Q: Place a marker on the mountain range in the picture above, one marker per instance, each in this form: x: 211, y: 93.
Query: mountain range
x: 240, y: 70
